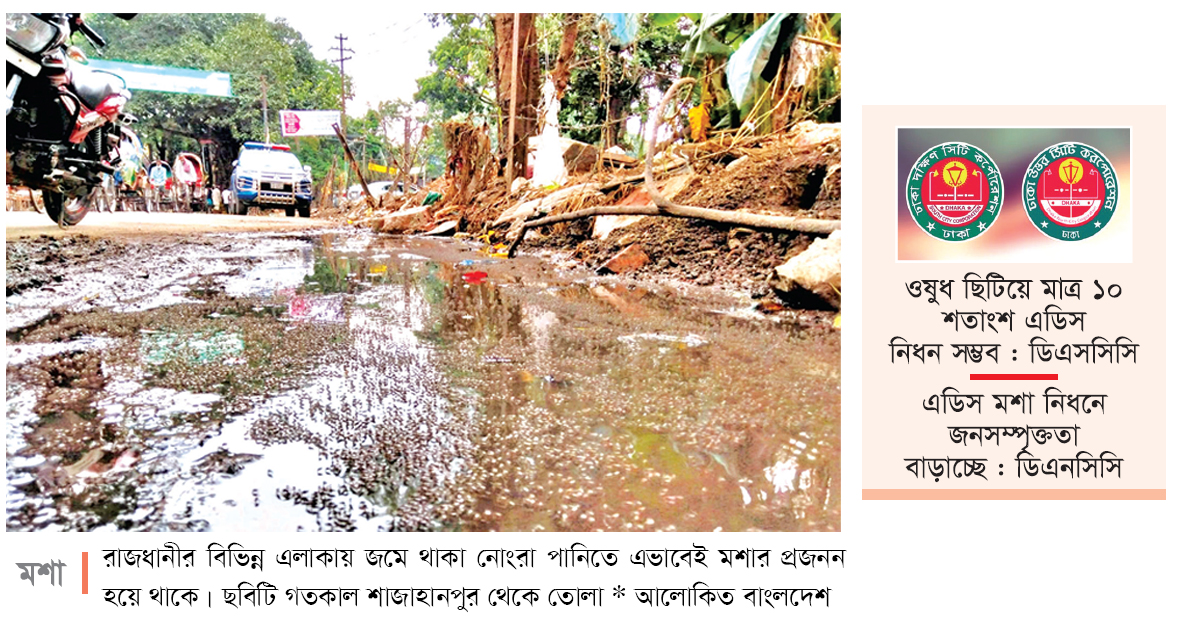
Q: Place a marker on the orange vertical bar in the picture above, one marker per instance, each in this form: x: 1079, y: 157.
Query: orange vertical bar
x: 84, y: 573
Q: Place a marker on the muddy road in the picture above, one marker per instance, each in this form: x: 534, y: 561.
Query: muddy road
x: 335, y: 380
x: 20, y: 224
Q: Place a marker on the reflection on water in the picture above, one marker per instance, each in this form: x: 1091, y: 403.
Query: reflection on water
x: 412, y: 384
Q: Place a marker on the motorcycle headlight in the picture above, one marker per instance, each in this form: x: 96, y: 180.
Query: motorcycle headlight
x: 28, y: 32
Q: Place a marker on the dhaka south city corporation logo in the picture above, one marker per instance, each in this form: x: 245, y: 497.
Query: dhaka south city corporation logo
x: 954, y: 191
x: 1070, y: 191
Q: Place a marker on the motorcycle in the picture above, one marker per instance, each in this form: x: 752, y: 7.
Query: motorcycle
x: 62, y: 119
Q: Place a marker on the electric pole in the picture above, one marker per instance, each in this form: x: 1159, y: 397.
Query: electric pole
x: 264, y: 89
x: 342, y: 59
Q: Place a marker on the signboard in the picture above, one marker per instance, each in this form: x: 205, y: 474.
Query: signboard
x: 294, y: 123
x: 156, y: 78
x: 374, y: 167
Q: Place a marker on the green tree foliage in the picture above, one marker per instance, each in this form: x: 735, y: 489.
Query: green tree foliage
x: 612, y: 83
x: 607, y: 82
x: 461, y: 80
x: 253, y: 50
x: 461, y: 83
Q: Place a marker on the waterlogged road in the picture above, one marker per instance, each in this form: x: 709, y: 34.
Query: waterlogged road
x: 339, y: 381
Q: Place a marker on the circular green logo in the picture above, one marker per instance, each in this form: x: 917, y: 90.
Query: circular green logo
x: 954, y: 191
x: 1070, y: 191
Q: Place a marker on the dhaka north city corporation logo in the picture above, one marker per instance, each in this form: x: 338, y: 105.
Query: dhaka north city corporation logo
x: 954, y: 192
x: 1070, y: 191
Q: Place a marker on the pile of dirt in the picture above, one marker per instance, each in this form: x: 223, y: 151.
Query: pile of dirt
x: 780, y: 176
x: 698, y: 252
x: 795, y: 174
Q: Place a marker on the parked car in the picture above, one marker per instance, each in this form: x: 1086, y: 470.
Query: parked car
x: 270, y: 175
x: 379, y: 188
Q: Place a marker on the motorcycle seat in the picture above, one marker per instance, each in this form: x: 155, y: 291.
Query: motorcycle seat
x: 92, y: 86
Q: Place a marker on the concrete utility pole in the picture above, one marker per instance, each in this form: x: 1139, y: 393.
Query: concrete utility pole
x: 342, y: 59
x: 264, y: 89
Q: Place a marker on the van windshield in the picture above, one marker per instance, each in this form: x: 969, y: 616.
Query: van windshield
x: 253, y: 158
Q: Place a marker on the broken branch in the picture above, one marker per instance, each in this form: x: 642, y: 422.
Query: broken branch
x: 357, y: 171
x: 741, y: 219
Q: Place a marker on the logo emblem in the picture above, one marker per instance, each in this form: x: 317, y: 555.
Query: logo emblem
x: 1070, y: 191
x: 954, y: 191
x: 291, y: 122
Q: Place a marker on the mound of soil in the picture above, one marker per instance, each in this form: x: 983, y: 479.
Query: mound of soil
x: 783, y: 175
x: 780, y: 177
x: 700, y: 252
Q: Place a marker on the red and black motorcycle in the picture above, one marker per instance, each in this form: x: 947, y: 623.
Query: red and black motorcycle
x: 62, y: 119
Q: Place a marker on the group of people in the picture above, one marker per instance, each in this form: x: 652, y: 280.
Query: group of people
x: 218, y: 200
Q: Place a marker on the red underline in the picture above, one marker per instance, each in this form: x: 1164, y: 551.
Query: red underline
x: 1013, y: 376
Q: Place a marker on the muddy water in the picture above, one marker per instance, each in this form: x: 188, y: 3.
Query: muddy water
x: 339, y: 382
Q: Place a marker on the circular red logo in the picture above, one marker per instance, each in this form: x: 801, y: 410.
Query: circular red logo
x: 955, y: 192
x: 1070, y: 191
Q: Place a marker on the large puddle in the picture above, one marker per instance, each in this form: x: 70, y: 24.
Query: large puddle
x: 343, y: 382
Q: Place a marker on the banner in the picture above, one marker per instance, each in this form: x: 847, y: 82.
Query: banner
x: 295, y: 123
x: 374, y: 167
x: 155, y: 78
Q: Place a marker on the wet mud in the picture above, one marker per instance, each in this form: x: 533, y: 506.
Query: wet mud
x: 334, y: 381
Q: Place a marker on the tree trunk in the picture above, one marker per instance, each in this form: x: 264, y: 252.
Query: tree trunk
x: 564, y: 58
x: 614, y: 122
x: 528, y: 90
x: 226, y: 148
x: 406, y: 166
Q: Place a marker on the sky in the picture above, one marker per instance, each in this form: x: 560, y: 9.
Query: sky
x: 391, y: 51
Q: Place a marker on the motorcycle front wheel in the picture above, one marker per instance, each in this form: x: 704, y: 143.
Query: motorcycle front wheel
x: 67, y: 210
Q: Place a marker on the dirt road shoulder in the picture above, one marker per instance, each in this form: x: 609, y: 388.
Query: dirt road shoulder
x: 19, y: 224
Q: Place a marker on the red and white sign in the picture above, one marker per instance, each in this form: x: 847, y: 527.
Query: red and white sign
x: 295, y: 123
